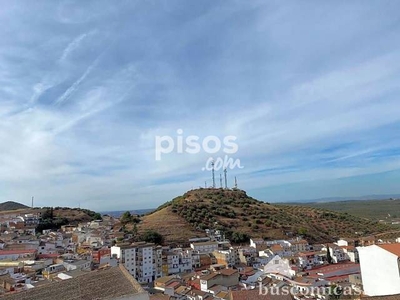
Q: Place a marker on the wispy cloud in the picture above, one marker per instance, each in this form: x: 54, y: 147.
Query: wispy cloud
x: 74, y: 44
x: 71, y: 90
x: 86, y: 87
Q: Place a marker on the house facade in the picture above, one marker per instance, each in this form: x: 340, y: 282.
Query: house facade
x: 380, y: 269
x: 142, y: 260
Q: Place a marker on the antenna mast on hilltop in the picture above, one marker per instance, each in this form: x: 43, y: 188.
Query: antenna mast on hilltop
x: 32, y: 200
x: 220, y: 179
x: 235, y: 183
x: 213, y: 175
x: 226, y: 181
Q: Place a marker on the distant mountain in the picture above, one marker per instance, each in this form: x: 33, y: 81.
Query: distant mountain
x: 11, y: 205
x: 118, y: 213
x: 339, y: 199
x: 240, y: 216
x: 382, y: 209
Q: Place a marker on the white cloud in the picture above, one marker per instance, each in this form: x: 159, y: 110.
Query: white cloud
x: 281, y: 84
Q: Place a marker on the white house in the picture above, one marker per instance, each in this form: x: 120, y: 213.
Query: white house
x: 256, y: 242
x: 380, y: 269
x: 338, y: 254
x: 142, y: 260
x: 345, y: 242
x: 178, y: 260
x: 311, y: 259
x: 204, y: 247
x: 351, y: 253
x: 84, y: 265
x: 298, y: 245
x: 279, y: 266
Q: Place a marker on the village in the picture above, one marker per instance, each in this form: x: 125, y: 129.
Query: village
x: 204, y: 268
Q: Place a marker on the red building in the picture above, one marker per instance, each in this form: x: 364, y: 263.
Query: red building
x: 98, y: 254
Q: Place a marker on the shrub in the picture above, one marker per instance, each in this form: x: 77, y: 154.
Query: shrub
x: 152, y: 236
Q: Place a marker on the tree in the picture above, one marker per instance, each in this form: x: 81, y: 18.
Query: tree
x: 126, y: 217
x: 135, y: 229
x: 152, y: 236
x: 97, y: 216
x: 302, y: 231
x: 239, y: 237
x: 48, y: 214
x: 328, y: 255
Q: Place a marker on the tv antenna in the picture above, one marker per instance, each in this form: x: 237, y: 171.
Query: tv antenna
x: 213, y: 175
x: 226, y: 180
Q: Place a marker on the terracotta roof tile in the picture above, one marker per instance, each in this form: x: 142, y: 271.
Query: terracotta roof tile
x: 228, y: 272
x: 392, y: 248
x: 255, y: 295
x: 101, y: 284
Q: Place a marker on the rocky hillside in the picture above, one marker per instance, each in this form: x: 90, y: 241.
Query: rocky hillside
x: 241, y: 216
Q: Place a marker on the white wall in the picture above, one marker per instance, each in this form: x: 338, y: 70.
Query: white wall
x: 379, y: 270
x: 279, y: 265
x: 342, y: 243
x: 116, y: 250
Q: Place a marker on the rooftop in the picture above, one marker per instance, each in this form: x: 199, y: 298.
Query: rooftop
x: 392, y: 297
x: 228, y: 272
x: 101, y: 284
x: 255, y: 294
x: 10, y: 252
x: 204, y: 243
x: 392, y: 248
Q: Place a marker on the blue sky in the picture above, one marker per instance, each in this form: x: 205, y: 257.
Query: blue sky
x: 309, y: 88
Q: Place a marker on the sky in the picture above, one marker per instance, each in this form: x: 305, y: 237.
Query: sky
x: 309, y: 90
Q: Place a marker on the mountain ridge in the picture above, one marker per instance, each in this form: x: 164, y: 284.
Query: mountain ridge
x: 237, y: 214
x: 342, y: 199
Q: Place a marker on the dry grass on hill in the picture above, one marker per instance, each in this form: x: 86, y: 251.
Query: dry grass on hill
x: 234, y: 212
x: 173, y: 227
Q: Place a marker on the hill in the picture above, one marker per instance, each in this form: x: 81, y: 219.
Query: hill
x: 11, y: 205
x: 240, y: 216
x: 56, y: 215
x: 371, y: 209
